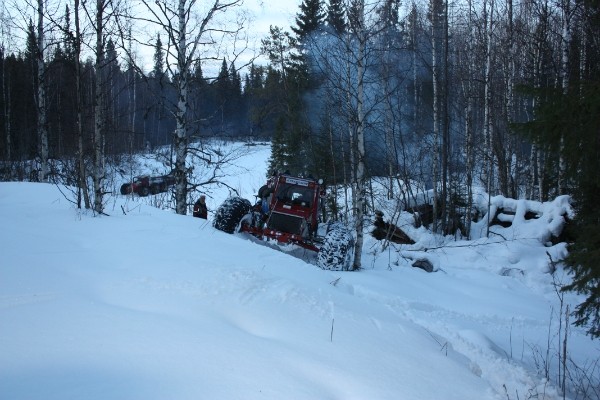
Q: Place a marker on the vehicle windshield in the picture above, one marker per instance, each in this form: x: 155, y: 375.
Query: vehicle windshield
x: 294, y: 194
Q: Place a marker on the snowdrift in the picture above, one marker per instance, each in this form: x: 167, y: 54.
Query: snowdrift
x: 146, y: 304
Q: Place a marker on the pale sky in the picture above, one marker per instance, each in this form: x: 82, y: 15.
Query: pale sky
x: 281, y: 13
x: 264, y: 13
x: 277, y: 12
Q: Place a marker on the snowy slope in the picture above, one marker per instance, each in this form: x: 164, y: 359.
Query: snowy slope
x: 147, y: 304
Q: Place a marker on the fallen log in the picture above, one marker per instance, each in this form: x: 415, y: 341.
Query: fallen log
x: 384, y: 230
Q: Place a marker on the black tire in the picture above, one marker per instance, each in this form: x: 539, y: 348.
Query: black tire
x: 126, y: 188
x: 154, y: 189
x: 337, y: 251
x: 230, y: 213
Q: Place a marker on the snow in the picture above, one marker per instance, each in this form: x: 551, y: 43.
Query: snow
x: 147, y: 304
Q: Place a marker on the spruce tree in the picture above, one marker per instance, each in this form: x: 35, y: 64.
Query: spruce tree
x: 223, y: 83
x: 336, y: 17
x: 158, y: 69
x: 577, y: 112
x: 581, y: 116
x: 310, y: 19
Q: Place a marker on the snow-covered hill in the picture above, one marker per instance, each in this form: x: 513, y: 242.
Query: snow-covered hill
x: 146, y: 304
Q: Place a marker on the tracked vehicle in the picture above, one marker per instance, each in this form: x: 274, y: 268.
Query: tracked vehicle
x: 287, y: 212
x: 145, y: 185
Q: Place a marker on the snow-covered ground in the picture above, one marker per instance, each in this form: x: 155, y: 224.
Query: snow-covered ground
x: 147, y: 304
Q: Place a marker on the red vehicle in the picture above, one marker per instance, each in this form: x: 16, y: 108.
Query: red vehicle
x: 287, y: 211
x: 144, y: 185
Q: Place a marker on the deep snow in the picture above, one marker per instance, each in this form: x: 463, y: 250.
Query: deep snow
x: 147, y: 304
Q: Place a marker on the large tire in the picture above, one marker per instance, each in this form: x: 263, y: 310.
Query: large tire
x: 230, y: 213
x: 337, y: 251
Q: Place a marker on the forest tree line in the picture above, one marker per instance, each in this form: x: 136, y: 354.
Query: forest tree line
x: 436, y: 95
x: 138, y: 106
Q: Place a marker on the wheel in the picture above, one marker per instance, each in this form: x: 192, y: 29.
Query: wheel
x: 230, y: 213
x: 144, y: 191
x: 154, y: 189
x: 126, y: 188
x: 337, y: 251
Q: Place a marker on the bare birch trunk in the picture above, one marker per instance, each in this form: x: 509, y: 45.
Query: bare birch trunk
x: 98, y: 175
x: 389, y: 147
x: 536, y: 175
x: 582, y: 56
x: 42, y: 125
x: 509, y: 154
x: 180, y: 141
x: 487, y: 124
x: 445, y: 119
x: 413, y: 33
x: 471, y: 67
x: 333, y: 173
x: 360, y: 140
x: 565, y: 43
x: 437, y: 117
x: 351, y: 133
x: 82, y: 178
x: 487, y: 120
x: 7, y: 110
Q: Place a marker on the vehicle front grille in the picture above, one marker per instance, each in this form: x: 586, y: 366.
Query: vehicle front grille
x: 286, y: 223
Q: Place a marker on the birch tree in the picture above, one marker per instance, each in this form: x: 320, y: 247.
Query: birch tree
x: 488, y: 134
x: 189, y: 31
x: 565, y: 43
x: 437, y: 26
x: 42, y: 125
x: 76, y: 44
x: 359, y: 30
x: 6, y: 100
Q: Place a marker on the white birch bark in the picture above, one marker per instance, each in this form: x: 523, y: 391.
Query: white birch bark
x: 565, y: 43
x: 98, y: 142
x: 471, y: 68
x: 437, y: 117
x: 487, y: 124
x: 42, y: 125
x: 360, y: 139
x: 7, y: 109
x: 82, y: 179
x: 185, y: 29
x: 180, y: 141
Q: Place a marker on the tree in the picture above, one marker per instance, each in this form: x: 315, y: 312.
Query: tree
x: 158, y: 69
x: 359, y: 31
x: 290, y: 127
x: 310, y: 19
x: 76, y: 38
x: 5, y: 100
x: 336, y: 17
x: 578, y: 112
x: 439, y: 39
x: 42, y: 118
x: 567, y: 117
x: 187, y: 30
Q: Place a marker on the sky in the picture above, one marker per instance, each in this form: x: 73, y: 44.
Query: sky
x: 146, y: 304
x: 281, y: 13
x: 263, y: 13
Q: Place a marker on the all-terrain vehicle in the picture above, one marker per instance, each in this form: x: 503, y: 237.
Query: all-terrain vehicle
x: 287, y: 211
x: 144, y: 185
